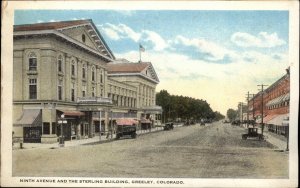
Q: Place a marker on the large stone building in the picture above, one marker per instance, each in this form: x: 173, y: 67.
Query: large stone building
x: 66, y: 68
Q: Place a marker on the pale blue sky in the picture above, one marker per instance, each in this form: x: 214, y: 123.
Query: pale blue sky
x: 239, y: 48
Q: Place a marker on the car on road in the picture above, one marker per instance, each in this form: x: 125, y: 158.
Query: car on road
x: 169, y: 126
x: 126, y: 128
x: 253, y: 133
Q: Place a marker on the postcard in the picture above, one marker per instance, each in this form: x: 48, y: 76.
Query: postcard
x: 149, y: 94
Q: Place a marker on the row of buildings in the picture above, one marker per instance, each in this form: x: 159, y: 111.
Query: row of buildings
x: 270, y: 106
x: 65, y: 72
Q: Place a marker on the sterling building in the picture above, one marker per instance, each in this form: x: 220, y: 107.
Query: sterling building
x: 66, y: 68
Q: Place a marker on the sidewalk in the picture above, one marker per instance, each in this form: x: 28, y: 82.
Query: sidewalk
x: 279, y: 141
x: 71, y: 143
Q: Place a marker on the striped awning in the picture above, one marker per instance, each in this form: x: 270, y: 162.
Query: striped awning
x: 278, y: 100
x: 126, y: 122
x: 278, y: 120
x: 30, y: 118
x: 269, y: 118
x: 73, y: 113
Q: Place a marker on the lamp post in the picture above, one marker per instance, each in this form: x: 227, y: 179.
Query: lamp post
x: 61, y: 122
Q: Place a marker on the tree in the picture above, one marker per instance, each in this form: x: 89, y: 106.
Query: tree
x: 231, y: 114
x: 183, y: 107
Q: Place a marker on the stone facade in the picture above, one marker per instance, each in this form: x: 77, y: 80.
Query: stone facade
x: 60, y: 68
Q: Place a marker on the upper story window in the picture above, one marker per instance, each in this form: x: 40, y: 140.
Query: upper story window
x: 59, y: 63
x: 32, y: 62
x: 101, y: 77
x: 83, y: 71
x: 32, y: 89
x: 83, y: 38
x: 60, y: 89
x: 73, y: 68
x: 93, y: 73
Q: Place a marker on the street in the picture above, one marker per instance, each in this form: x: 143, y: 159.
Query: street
x: 212, y: 151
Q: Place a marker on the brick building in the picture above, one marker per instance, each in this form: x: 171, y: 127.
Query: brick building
x: 275, y: 105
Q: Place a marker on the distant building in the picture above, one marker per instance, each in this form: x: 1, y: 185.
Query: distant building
x: 63, y: 68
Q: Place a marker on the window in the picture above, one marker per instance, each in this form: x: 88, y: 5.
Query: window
x: 59, y: 63
x: 101, y: 94
x: 53, y: 128
x: 93, y: 91
x: 83, y: 38
x: 83, y: 72
x: 83, y: 90
x: 93, y: 73
x: 73, y: 93
x: 73, y: 68
x: 32, y: 62
x: 46, y: 128
x: 32, y: 89
x: 101, y: 77
x: 59, y: 90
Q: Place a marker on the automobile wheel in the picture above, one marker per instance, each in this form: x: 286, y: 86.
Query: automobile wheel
x: 117, y: 136
x: 133, y: 135
x: 244, y: 137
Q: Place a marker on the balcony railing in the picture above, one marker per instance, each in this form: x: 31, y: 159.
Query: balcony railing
x: 101, y: 100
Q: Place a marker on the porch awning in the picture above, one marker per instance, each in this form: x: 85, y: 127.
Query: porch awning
x: 30, y: 118
x: 126, y: 122
x: 73, y: 113
x: 269, y: 118
x: 278, y: 120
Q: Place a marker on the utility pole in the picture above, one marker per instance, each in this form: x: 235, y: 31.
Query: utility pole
x: 262, y: 108
x: 248, y: 97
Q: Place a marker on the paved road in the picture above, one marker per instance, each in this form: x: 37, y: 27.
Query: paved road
x: 214, y: 151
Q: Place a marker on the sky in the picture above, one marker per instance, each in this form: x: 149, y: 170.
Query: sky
x: 214, y: 55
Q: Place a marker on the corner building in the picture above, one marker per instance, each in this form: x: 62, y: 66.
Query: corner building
x: 61, y: 68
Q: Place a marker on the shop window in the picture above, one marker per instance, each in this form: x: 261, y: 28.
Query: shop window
x: 46, y: 128
x: 53, y: 128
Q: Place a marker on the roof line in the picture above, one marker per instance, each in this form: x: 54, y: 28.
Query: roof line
x: 55, y: 32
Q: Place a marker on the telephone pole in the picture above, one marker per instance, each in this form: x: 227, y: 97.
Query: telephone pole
x: 262, y: 107
x: 248, y: 97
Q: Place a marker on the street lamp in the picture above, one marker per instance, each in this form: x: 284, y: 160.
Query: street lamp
x: 61, y: 122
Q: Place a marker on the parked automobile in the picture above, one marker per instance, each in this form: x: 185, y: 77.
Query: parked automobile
x: 126, y: 128
x: 169, y: 126
x: 252, y: 133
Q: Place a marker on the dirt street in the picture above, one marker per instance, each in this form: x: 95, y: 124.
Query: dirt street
x: 213, y: 151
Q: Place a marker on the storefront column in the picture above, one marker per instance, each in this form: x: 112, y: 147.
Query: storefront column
x: 106, y: 120
x: 78, y: 131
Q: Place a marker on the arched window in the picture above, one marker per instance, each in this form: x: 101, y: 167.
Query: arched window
x: 59, y: 63
x: 93, y: 73
x: 32, y: 62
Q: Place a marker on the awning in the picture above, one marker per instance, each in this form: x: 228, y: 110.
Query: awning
x: 30, y: 118
x: 278, y: 100
x: 278, y: 120
x: 269, y: 118
x: 126, y: 122
x: 73, y: 113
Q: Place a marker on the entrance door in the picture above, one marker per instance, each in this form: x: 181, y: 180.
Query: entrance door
x: 32, y: 134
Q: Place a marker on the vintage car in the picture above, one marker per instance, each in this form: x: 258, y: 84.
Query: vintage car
x: 169, y: 126
x: 252, y: 133
x: 126, y: 127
